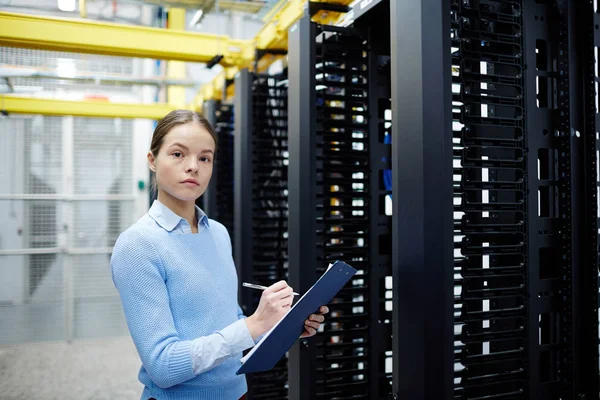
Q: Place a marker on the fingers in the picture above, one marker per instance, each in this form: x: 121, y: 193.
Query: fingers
x: 287, y: 302
x: 311, y: 324
x: 284, y: 293
x: 276, y: 287
x: 280, y: 299
x: 317, y: 318
x: 280, y: 291
x: 308, y: 332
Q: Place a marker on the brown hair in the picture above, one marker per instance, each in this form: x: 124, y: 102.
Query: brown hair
x: 170, y: 121
x: 176, y: 118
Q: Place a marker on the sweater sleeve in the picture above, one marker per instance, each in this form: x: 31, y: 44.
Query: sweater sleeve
x: 140, y: 280
x: 226, y: 234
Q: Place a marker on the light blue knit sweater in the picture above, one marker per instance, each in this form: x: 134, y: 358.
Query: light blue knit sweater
x: 176, y: 288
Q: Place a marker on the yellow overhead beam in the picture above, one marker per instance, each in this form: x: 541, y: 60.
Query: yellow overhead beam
x: 272, y: 36
x: 273, y: 10
x: 325, y: 17
x: 251, y: 7
x: 85, y: 36
x: 27, y: 105
x: 272, y: 33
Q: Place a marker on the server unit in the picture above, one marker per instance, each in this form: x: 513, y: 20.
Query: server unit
x: 495, y: 208
x: 261, y: 208
x: 218, y: 199
x: 337, y: 190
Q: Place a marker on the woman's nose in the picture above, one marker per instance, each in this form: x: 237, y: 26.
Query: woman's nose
x: 192, y: 166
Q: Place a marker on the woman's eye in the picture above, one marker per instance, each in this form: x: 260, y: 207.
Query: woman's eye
x: 205, y: 159
x: 177, y: 154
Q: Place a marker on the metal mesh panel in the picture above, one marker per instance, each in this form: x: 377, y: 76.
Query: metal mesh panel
x: 102, y: 169
x: 104, y: 147
x: 97, y: 224
x: 42, y: 228
x: 65, y: 64
x: 96, y: 307
x: 53, y: 60
x: 48, y: 289
x: 28, y: 314
x: 35, y: 142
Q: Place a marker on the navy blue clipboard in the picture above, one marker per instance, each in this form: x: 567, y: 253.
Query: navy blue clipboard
x: 278, y: 341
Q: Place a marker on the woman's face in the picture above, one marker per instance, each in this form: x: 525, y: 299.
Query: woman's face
x: 184, y: 163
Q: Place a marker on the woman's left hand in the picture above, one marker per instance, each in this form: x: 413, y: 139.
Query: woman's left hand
x: 311, y: 325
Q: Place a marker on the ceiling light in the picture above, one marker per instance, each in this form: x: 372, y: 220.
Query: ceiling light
x: 197, y: 18
x: 66, y: 5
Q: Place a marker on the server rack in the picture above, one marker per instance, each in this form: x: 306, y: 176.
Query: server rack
x: 261, y: 162
x: 217, y: 201
x: 514, y: 122
x: 336, y: 193
x: 207, y: 201
x: 489, y: 186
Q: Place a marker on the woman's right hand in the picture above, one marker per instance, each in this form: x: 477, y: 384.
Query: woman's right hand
x: 275, y: 302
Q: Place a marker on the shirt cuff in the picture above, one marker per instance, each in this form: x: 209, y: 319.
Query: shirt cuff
x: 237, y: 336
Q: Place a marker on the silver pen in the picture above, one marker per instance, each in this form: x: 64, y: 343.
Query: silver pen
x: 260, y: 287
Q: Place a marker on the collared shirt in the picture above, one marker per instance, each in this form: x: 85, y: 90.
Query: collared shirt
x: 172, y: 222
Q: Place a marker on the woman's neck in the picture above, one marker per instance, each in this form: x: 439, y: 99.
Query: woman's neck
x: 185, y: 209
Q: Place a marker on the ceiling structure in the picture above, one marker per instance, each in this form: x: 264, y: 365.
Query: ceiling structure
x: 249, y: 6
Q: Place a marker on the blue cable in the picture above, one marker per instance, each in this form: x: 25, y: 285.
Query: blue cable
x: 387, y: 174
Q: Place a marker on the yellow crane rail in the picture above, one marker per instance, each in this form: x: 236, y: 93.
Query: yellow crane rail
x: 90, y: 108
x: 273, y: 36
x: 85, y: 36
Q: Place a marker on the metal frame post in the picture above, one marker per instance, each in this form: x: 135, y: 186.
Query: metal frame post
x: 242, y: 173
x: 543, y: 311
x: 302, y: 194
x: 422, y: 238
x: 209, y: 198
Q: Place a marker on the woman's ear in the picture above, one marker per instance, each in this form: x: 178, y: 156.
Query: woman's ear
x: 151, y: 162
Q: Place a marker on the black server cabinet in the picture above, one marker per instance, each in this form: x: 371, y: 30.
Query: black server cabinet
x: 261, y: 207
x: 491, y: 204
x: 207, y: 201
x: 337, y: 160
x: 217, y: 200
x: 502, y: 95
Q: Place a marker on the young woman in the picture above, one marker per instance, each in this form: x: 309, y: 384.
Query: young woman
x: 177, y: 281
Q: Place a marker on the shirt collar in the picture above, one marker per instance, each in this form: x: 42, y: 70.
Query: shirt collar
x: 168, y: 220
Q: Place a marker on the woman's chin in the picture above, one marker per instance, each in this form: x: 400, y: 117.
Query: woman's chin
x: 186, y: 195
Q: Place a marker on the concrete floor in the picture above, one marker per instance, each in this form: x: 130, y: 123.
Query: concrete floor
x: 98, y: 369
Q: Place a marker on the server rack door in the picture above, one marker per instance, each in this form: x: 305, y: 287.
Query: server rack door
x: 223, y: 180
x: 208, y: 200
x: 330, y: 195
x: 373, y: 23
x: 491, y: 196
x: 269, y: 164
